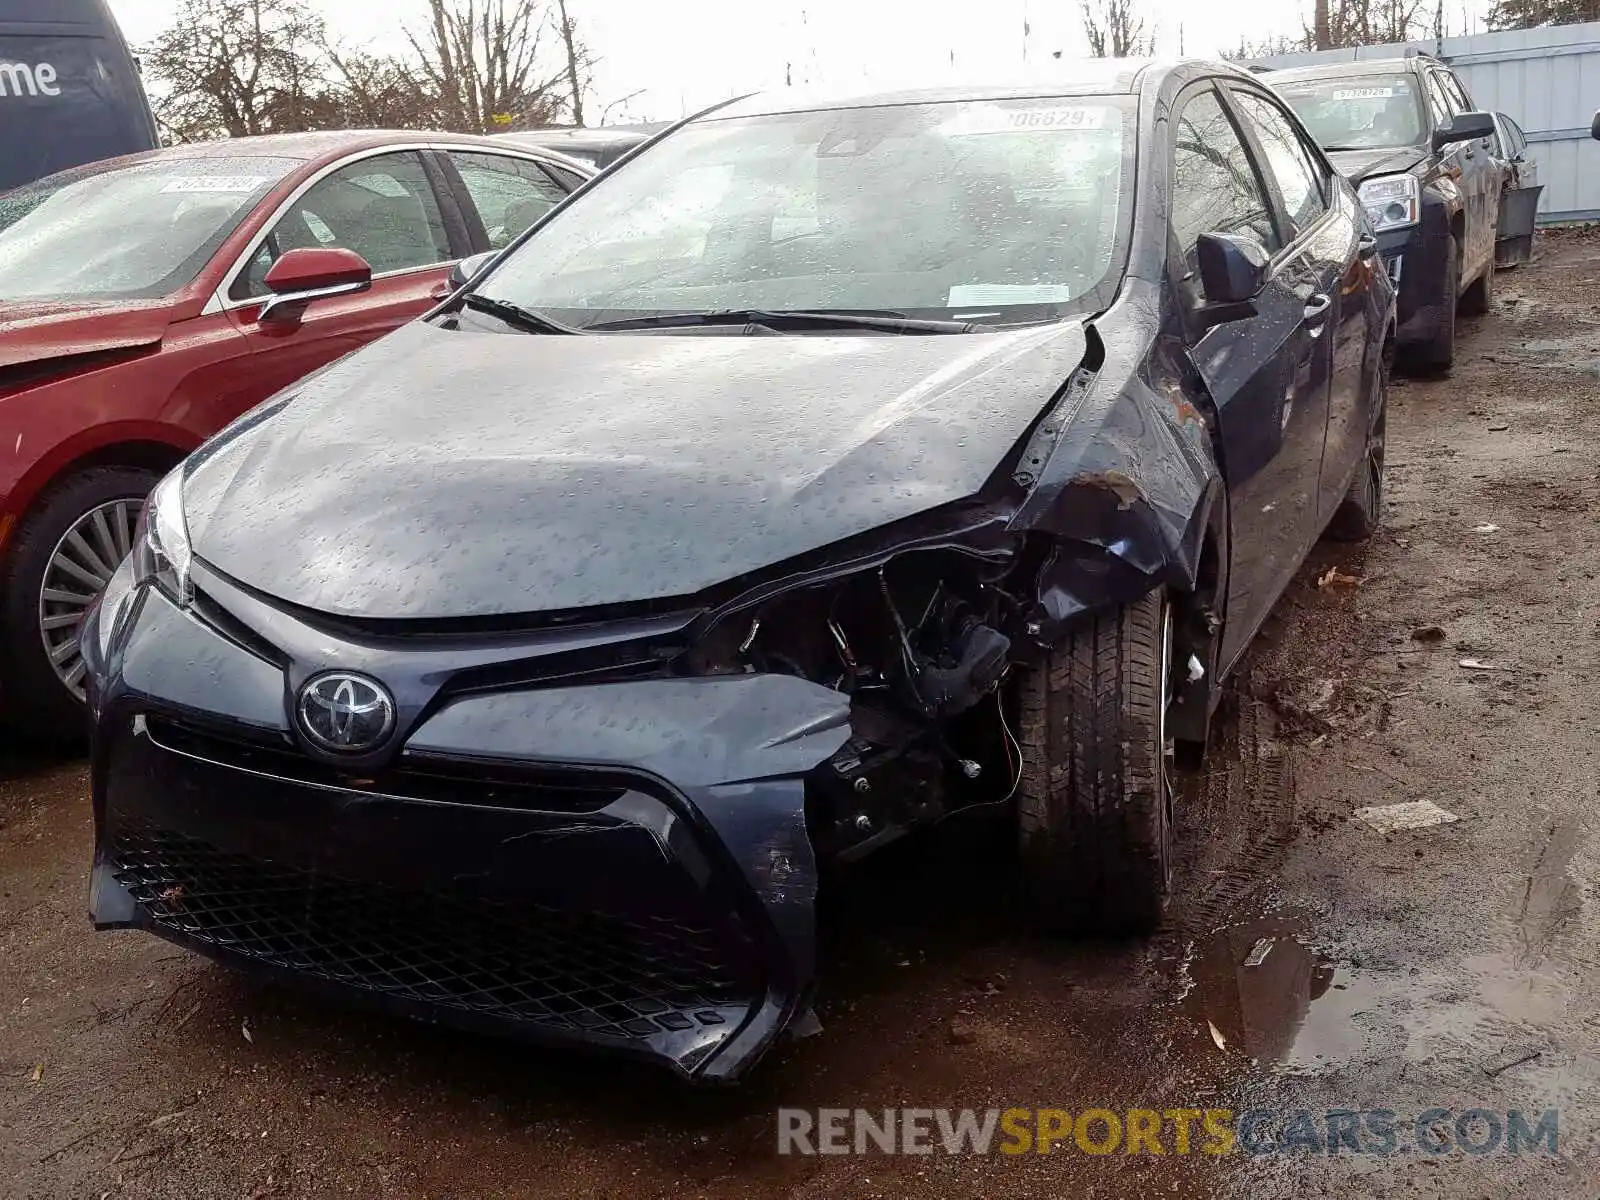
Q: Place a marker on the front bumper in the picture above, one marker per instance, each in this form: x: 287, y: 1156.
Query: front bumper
x: 1415, y: 259
x: 623, y: 866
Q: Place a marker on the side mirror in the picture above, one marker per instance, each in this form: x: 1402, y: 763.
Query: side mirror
x: 1594, y: 127
x: 465, y: 269
x: 302, y: 276
x: 1464, y: 127
x: 1233, y: 270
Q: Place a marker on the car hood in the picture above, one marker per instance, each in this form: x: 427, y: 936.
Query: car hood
x: 441, y: 474
x: 33, y: 331
x: 1356, y: 165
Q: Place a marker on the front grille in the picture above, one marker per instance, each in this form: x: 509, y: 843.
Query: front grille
x: 484, y: 784
x: 576, y: 972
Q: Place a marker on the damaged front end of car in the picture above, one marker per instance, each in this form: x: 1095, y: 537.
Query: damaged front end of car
x: 608, y: 826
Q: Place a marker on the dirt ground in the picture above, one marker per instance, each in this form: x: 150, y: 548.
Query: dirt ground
x: 1405, y: 971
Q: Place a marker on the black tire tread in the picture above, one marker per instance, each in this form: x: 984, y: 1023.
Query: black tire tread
x: 1439, y: 352
x: 1478, y: 299
x: 1092, y: 793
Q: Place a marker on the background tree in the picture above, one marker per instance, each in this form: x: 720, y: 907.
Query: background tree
x: 1528, y: 14
x: 230, y: 68
x: 375, y: 91
x: 485, y: 60
x: 237, y: 67
x: 1114, y: 29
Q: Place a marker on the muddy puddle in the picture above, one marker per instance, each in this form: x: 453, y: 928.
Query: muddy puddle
x: 1271, y: 994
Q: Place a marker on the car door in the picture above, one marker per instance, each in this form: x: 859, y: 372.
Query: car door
x: 387, y: 208
x: 1519, y: 201
x: 1339, y: 252
x: 1266, y: 373
x: 504, y: 194
x: 1479, y: 178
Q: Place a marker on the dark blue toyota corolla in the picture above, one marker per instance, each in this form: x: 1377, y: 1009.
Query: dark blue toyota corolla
x: 823, y: 471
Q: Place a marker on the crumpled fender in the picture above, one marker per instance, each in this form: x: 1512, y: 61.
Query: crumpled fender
x: 1126, y: 489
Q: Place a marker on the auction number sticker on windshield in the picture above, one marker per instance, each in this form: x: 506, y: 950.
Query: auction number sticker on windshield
x: 1364, y: 93
x: 994, y: 119
x: 215, y: 183
x: 980, y: 295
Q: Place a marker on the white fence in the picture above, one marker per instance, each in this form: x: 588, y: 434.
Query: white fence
x: 1547, y: 79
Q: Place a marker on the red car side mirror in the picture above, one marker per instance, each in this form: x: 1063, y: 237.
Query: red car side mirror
x: 302, y: 276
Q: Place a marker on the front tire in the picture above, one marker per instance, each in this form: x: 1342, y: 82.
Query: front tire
x: 1479, y: 296
x: 1438, y: 353
x: 61, y: 557
x: 1094, y: 810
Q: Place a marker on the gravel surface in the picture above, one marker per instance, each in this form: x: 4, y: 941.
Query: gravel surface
x: 1453, y: 966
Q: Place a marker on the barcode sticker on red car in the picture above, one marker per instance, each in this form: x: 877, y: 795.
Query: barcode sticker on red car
x: 215, y: 183
x: 1363, y: 93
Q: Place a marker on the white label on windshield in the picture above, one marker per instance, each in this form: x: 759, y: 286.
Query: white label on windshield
x: 216, y: 183
x: 994, y: 119
x: 1366, y: 93
x: 980, y: 295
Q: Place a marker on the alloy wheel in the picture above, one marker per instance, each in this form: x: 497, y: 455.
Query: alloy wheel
x: 78, y: 571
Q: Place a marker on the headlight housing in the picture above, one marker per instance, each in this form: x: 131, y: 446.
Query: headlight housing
x: 161, y: 550
x: 1391, y: 201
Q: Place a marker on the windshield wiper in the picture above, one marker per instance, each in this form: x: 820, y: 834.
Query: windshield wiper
x: 1341, y: 149
x: 886, y: 322
x: 525, y: 319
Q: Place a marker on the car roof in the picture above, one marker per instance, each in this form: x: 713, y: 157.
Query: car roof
x: 1072, y: 77
x: 1343, y: 70
x: 603, y: 138
x: 319, y: 147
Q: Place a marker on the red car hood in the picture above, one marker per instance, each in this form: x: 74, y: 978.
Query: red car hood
x: 39, y: 330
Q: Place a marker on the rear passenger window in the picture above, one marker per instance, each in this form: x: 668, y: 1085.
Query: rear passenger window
x: 1300, y: 178
x: 1214, y: 187
x: 509, y: 193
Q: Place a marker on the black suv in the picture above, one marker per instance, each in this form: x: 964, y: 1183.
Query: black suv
x: 1407, y: 134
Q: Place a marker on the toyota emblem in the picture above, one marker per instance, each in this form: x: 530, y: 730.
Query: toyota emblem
x: 348, y: 714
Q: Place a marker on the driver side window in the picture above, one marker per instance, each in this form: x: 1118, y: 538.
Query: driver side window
x: 1438, y: 104
x: 1215, y: 188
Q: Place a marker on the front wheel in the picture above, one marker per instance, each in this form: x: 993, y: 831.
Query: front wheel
x: 1438, y: 353
x: 1095, y: 804
x: 1478, y: 299
x: 60, y: 559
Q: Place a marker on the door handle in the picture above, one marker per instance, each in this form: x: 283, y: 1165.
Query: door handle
x: 1317, y: 308
x: 1366, y: 247
x: 439, y: 291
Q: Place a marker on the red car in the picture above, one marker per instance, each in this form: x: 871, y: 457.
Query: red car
x: 147, y: 301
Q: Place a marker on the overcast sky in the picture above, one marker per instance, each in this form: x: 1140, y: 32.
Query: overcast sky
x: 683, y: 54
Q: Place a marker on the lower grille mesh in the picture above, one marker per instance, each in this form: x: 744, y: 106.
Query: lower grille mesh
x: 573, y: 971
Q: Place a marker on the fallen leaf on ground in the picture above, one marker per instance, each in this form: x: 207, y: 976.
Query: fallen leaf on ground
x: 1333, y: 577
x: 1216, y: 1036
